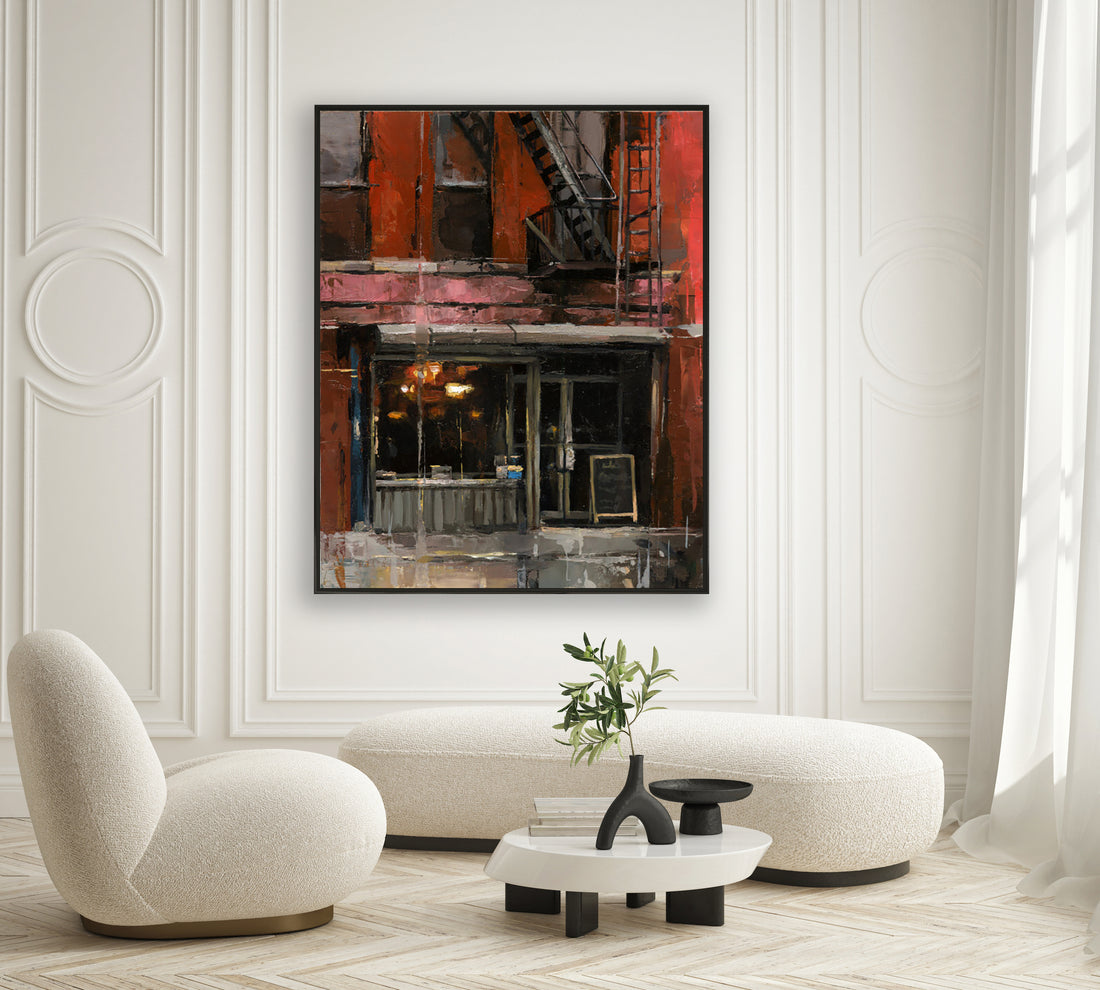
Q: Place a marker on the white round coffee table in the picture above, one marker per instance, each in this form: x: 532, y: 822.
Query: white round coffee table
x: 692, y: 871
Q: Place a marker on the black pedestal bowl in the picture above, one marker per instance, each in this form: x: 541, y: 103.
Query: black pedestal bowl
x: 700, y: 797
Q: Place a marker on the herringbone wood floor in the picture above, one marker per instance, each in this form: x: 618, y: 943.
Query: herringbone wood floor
x: 429, y: 921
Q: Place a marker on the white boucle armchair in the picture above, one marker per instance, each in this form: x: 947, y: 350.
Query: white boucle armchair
x: 241, y: 843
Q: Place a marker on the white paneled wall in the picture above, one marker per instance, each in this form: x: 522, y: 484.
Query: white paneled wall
x: 155, y: 377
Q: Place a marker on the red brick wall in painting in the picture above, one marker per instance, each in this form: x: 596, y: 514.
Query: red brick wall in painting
x: 401, y: 169
x: 335, y: 438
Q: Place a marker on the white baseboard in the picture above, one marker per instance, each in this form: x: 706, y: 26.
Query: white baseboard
x: 954, y: 786
x: 13, y: 804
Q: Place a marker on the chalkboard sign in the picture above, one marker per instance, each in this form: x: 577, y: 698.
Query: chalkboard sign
x: 614, y: 495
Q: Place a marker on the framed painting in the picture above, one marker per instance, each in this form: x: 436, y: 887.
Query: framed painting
x: 511, y: 349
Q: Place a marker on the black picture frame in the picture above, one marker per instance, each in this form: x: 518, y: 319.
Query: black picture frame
x: 583, y: 370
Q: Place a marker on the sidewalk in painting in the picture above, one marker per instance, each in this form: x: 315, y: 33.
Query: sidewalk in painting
x: 620, y: 558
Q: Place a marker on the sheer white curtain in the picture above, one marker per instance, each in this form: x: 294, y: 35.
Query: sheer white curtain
x: 1033, y: 793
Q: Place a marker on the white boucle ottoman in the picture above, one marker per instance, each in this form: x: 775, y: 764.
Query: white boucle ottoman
x: 844, y: 802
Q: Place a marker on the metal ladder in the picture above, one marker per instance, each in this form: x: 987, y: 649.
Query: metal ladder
x: 639, y: 240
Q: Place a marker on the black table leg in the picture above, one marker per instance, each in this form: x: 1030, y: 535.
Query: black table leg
x: 696, y: 907
x: 639, y: 900
x: 582, y: 912
x: 533, y: 900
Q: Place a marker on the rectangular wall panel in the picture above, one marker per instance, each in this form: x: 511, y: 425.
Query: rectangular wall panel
x: 95, y: 117
x: 925, y: 109
x: 314, y: 666
x: 919, y: 548
x: 94, y: 529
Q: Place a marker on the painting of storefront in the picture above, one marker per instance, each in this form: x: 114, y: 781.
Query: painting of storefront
x: 511, y: 352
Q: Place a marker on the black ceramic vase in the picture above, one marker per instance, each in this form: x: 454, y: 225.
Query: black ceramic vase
x: 634, y: 799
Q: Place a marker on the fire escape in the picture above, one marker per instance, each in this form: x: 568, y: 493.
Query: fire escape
x: 592, y: 222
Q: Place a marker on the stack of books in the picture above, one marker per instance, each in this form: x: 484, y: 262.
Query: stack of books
x: 575, y: 816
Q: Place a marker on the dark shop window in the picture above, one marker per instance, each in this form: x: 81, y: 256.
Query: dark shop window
x: 462, y: 224
x: 345, y: 193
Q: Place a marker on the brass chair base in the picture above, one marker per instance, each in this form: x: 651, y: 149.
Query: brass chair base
x: 215, y: 929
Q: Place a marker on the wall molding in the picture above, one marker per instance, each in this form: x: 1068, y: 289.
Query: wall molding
x: 272, y: 309
x: 954, y: 786
x: 869, y: 236
x: 929, y: 408
x: 253, y: 630
x: 264, y: 699
x: 767, y: 398
x: 826, y: 146
x: 785, y: 391
x: 872, y: 694
x: 752, y: 605
x: 870, y: 397
x: 312, y: 725
x: 917, y: 228
x: 151, y: 236
x: 304, y: 726
x: 260, y: 704
x: 473, y: 696
x: 188, y: 685
x: 873, y: 339
x: 928, y: 728
x: 768, y: 354
x: 34, y: 331
x: 35, y: 398
x: 238, y: 244
x: 169, y: 357
x: 863, y: 244
x: 834, y: 175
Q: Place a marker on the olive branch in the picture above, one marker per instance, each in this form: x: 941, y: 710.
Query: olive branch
x: 597, y: 714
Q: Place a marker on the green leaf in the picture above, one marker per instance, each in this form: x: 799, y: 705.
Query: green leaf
x: 599, y: 710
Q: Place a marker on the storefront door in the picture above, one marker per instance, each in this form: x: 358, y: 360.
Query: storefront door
x: 579, y: 416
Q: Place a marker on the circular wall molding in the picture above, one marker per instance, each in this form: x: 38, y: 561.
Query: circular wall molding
x: 923, y: 315
x: 93, y: 316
